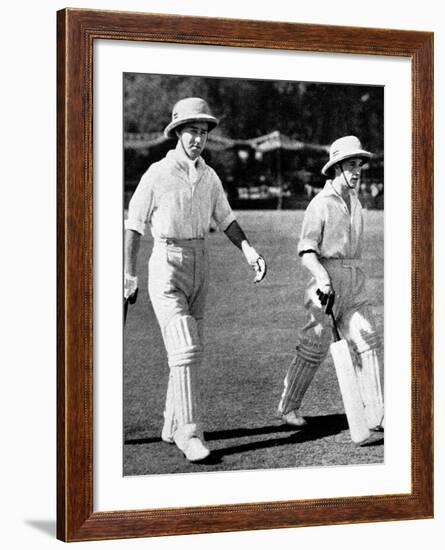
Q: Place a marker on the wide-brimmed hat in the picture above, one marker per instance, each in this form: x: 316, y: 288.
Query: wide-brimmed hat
x: 190, y: 109
x: 345, y: 148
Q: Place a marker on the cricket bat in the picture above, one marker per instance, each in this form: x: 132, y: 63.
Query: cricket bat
x: 131, y: 300
x: 344, y: 368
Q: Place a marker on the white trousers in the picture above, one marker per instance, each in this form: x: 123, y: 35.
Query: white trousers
x: 357, y: 325
x: 178, y: 284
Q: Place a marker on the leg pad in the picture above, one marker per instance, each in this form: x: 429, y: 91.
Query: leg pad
x: 300, y: 375
x: 368, y: 377
x: 183, y: 342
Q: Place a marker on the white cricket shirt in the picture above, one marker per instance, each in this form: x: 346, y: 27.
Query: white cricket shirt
x: 329, y: 228
x: 179, y: 204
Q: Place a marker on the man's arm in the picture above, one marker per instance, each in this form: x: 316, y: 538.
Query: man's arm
x: 239, y: 239
x: 131, y: 250
x: 310, y: 261
x: 236, y: 234
x: 325, y: 292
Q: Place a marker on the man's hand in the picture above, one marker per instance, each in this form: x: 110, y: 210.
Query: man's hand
x: 260, y: 269
x: 130, y: 288
x: 324, y: 290
x: 255, y: 260
x: 326, y: 295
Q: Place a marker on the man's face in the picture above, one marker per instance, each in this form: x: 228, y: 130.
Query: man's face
x: 193, y: 137
x: 352, y: 169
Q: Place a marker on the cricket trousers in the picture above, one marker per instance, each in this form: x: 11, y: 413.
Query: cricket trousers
x: 356, y: 323
x: 178, y: 284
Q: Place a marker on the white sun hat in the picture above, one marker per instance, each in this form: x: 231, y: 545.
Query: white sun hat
x: 190, y: 109
x: 345, y: 148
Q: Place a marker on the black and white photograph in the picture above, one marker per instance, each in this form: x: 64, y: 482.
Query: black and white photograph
x: 223, y: 275
x: 253, y: 274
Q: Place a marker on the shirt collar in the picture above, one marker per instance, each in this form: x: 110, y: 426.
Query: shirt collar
x: 328, y: 190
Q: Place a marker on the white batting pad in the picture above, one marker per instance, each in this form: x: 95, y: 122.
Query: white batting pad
x: 298, y: 379
x: 183, y: 342
x: 368, y: 377
x: 185, y: 394
x: 169, y: 413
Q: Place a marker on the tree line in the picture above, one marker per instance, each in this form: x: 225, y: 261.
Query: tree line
x: 313, y: 112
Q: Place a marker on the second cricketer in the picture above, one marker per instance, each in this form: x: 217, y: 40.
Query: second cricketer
x: 330, y: 248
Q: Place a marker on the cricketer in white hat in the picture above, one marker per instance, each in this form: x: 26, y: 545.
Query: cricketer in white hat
x: 190, y: 109
x: 344, y: 148
x: 179, y: 197
x: 330, y: 247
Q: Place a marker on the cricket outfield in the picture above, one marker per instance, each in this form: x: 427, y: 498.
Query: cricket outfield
x: 250, y: 338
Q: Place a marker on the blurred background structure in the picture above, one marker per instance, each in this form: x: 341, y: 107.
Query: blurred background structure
x: 273, y: 137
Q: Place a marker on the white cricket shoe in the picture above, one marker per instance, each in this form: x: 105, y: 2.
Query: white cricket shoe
x: 195, y: 450
x: 166, y: 434
x: 293, y: 418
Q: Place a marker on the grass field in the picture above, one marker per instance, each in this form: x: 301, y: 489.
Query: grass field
x: 250, y: 340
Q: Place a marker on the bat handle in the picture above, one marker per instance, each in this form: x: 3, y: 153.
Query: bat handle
x: 337, y: 336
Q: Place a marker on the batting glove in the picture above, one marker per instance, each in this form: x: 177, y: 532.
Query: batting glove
x: 327, y: 298
x: 130, y: 288
x: 255, y: 260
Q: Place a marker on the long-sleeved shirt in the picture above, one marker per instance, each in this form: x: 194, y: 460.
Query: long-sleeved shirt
x: 329, y: 228
x: 178, y: 202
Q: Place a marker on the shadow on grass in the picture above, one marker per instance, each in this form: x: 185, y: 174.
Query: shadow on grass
x: 375, y: 440
x: 317, y: 427
x: 142, y: 441
x: 222, y: 434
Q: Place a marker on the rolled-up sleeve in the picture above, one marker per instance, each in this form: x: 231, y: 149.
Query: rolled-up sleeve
x: 312, y: 229
x: 141, y: 204
x: 222, y: 213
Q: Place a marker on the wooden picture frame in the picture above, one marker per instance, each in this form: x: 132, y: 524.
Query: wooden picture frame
x: 77, y: 31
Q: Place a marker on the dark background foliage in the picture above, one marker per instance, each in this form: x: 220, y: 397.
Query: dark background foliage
x: 314, y: 113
